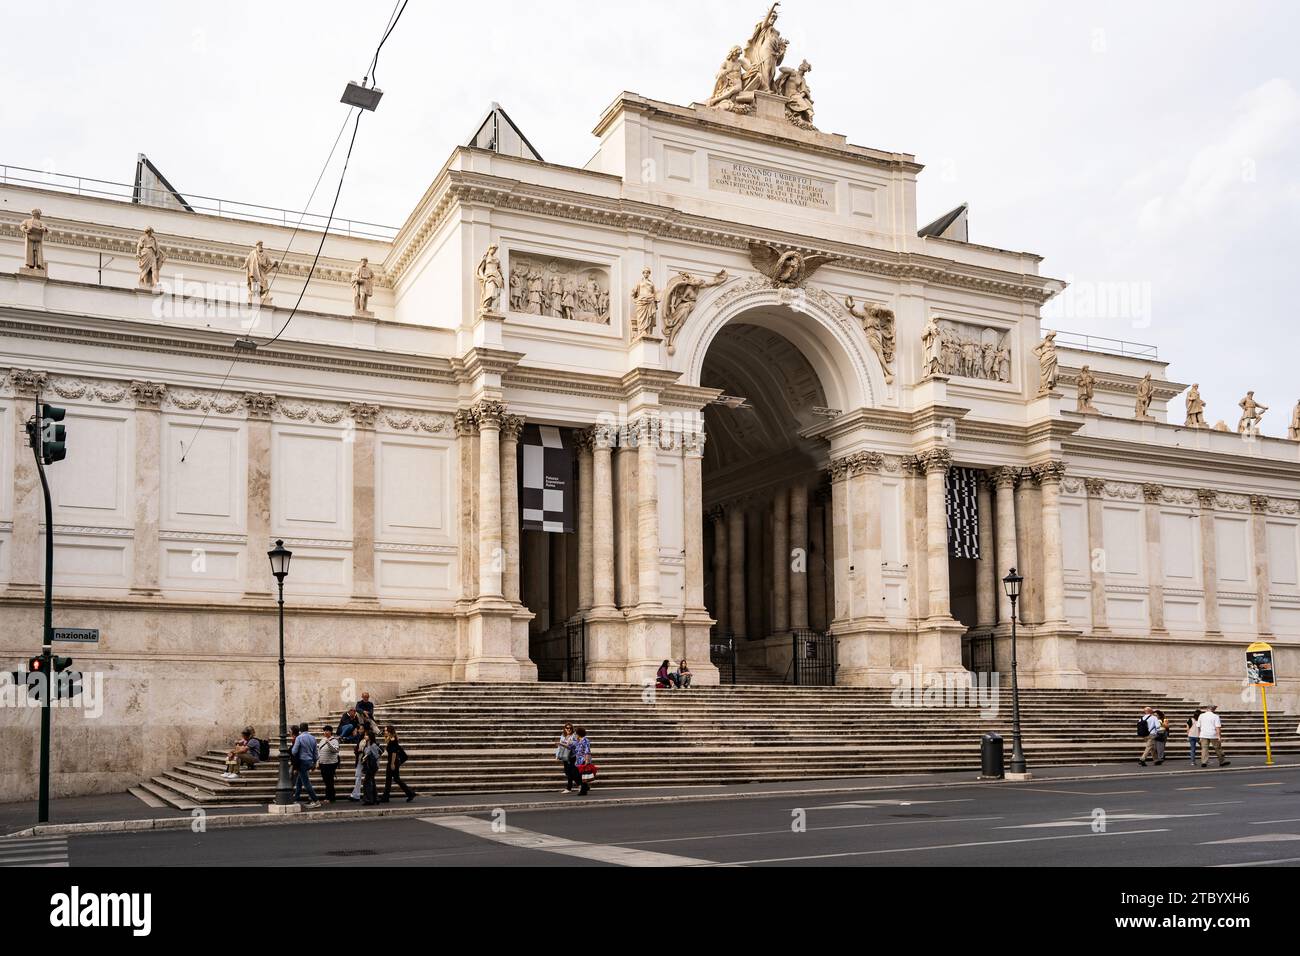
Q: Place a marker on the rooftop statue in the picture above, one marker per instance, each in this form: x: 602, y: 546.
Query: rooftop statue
x: 764, y: 53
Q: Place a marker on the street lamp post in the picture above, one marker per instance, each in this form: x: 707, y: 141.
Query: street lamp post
x: 1012, y: 584
x: 280, y: 556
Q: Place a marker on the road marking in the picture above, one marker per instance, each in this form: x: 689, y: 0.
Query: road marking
x: 929, y: 821
x: 530, y: 840
x: 1084, y: 793
x: 1257, y: 838
x: 942, y: 846
x: 1289, y: 859
x: 1218, y: 803
x: 51, y: 851
x: 1195, y: 788
x: 1264, y: 823
x: 869, y: 804
x: 1275, y: 783
x: 1087, y: 820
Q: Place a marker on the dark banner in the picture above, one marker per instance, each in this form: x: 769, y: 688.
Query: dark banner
x: 963, y: 513
x: 546, y: 482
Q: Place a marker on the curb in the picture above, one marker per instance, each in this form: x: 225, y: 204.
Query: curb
x: 240, y: 820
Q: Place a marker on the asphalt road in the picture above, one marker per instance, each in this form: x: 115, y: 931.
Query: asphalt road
x: 1200, y: 818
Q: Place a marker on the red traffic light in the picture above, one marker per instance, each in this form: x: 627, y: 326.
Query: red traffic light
x: 35, y: 664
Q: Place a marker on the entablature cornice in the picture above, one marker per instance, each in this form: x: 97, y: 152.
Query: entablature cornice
x: 1205, y: 463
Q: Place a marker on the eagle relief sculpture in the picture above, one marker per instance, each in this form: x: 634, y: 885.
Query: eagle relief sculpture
x: 788, y: 269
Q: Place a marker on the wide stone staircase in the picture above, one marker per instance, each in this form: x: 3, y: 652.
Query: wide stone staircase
x: 468, y: 737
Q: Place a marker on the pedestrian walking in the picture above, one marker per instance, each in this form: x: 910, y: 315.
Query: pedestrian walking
x: 304, y: 754
x: 370, y: 756
x: 581, y: 758
x: 1148, y: 724
x: 564, y: 754
x: 1162, y: 736
x: 328, y: 760
x: 396, y: 757
x: 1193, y: 734
x: 356, y: 736
x: 1211, y: 735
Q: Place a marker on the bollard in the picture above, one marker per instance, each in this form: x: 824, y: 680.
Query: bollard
x: 991, y: 757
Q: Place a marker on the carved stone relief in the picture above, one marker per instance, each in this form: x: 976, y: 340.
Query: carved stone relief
x: 559, y: 288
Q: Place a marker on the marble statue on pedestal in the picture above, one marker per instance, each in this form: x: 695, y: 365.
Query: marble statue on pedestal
x: 1048, y: 364
x: 1293, y: 432
x: 1195, y: 408
x: 363, y: 287
x: 1087, y: 387
x: 793, y: 85
x: 257, y: 272
x: 149, y: 258
x: 764, y: 53
x: 1251, y: 414
x: 932, y: 345
x: 34, y: 230
x: 1145, y: 393
x: 646, y: 299
x: 679, y: 298
x: 490, y: 281
x: 729, y: 86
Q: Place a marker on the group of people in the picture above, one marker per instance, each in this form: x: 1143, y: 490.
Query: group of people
x: 573, y: 751
x: 679, y: 679
x: 1204, y: 728
x: 371, y: 749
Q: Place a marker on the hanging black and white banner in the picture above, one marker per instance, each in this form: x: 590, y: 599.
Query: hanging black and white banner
x: 546, y: 486
x: 963, y: 513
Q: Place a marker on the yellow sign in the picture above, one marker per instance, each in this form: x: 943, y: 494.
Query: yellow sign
x: 1259, y: 671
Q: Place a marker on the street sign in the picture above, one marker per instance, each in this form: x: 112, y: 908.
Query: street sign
x: 77, y: 635
x: 1259, y: 665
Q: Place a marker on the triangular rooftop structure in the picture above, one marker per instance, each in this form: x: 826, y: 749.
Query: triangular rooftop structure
x: 951, y: 225
x: 499, y: 133
x: 153, y: 189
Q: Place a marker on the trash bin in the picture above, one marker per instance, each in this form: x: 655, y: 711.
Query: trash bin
x: 991, y: 757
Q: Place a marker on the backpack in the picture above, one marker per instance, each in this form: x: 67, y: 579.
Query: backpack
x: 1144, y: 729
x: 257, y: 748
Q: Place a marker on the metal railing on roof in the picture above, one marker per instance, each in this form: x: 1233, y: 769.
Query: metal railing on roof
x: 225, y: 208
x: 1099, y: 343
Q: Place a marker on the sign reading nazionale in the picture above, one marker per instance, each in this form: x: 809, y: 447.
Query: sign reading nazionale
x: 775, y: 185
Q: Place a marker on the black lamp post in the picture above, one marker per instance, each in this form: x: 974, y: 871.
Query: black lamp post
x: 280, y: 556
x: 1012, y: 584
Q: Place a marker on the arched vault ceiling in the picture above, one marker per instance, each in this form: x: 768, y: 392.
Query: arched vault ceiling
x: 762, y: 367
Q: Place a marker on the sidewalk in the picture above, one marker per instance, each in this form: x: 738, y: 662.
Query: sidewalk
x: 121, y: 811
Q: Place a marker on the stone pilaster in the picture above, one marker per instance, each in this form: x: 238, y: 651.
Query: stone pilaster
x: 467, y: 443
x: 602, y: 538
x: 1151, y: 494
x: 26, y: 561
x: 586, y: 513
x: 781, y: 562
x: 936, y: 463
x: 489, y: 415
x: 693, y: 516
x: 363, y: 500
x: 843, y: 562
x: 1209, y: 559
x: 1029, y: 519
x: 721, y: 572
x: 1259, y: 532
x: 1049, y: 475
x: 257, y: 574
x: 1096, y: 489
x: 511, y: 427
x: 1004, y: 485
x: 647, y: 523
x: 800, y: 557
x: 147, y: 547
x: 986, y: 570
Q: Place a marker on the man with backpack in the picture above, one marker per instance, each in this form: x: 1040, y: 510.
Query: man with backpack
x: 1148, y: 725
x: 304, y: 754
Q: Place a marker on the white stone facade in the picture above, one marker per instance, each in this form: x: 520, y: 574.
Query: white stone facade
x: 381, y: 447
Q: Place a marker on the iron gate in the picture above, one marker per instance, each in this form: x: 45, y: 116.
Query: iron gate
x: 722, y: 654
x: 575, y: 651
x: 813, y: 663
x: 980, y: 657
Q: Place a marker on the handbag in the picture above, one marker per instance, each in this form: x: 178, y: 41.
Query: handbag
x: 588, y: 772
x: 562, y: 753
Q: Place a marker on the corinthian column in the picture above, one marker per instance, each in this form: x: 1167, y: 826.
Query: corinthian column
x: 1049, y: 475
x: 799, y: 557
x: 986, y: 569
x: 511, y: 426
x: 720, y: 571
x: 780, y: 562
x: 1151, y: 494
x: 736, y: 569
x: 586, y: 553
x: 936, y: 463
x: 603, y: 438
x: 489, y: 415
x: 363, y: 500
x: 647, y: 458
x: 1208, y: 498
x: 693, y: 516
x: 1096, y: 488
x: 1259, y: 529
x: 1004, y: 485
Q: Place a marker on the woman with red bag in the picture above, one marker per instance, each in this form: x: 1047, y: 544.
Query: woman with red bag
x: 582, y: 758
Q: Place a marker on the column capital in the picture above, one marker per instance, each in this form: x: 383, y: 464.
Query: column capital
x: 488, y: 413
x: 865, y: 462
x: 934, y: 460
x: 148, y: 394
x: 511, y: 427
x: 604, y: 436
x: 584, y: 440
x: 1049, y: 472
x: 363, y: 414
x: 259, y: 405
x: 693, y: 444
x: 1004, y: 476
x: 1096, y: 487
x: 1259, y: 504
x: 465, y: 423
x: 1208, y: 497
x: 27, y: 382
x: 1152, y: 491
x: 717, y: 514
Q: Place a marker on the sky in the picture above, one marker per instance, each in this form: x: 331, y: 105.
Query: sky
x: 1149, y: 151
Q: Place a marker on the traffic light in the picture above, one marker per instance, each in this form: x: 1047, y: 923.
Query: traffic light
x: 35, y: 664
x: 54, y: 437
x: 67, y: 682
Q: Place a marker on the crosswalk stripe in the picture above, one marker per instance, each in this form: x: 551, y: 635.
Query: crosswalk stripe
x: 51, y: 851
x: 530, y: 840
